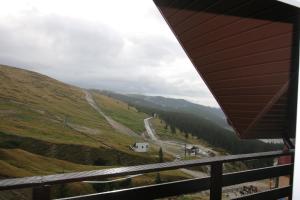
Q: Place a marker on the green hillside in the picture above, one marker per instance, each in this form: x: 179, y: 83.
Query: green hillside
x: 121, y: 112
x: 48, y: 127
x: 165, y: 133
x: 57, y: 118
x: 37, y: 106
x: 20, y: 163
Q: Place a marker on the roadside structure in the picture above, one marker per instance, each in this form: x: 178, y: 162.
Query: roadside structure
x: 192, y: 150
x: 140, y: 147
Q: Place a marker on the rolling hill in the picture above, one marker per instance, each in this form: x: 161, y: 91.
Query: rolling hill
x: 45, y: 117
x: 50, y: 127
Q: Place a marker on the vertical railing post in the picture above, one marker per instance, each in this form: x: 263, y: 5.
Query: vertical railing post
x: 216, y: 173
x: 291, y: 182
x: 41, y: 193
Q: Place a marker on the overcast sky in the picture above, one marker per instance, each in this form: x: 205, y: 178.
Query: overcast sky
x: 124, y: 46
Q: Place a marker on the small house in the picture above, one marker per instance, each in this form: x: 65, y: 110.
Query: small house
x: 140, y: 147
x: 192, y: 150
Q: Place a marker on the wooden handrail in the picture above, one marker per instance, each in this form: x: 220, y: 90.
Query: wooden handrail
x: 36, y: 181
x: 187, y: 186
x: 215, y: 182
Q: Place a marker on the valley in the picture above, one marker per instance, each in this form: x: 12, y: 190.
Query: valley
x: 50, y: 127
x: 45, y: 121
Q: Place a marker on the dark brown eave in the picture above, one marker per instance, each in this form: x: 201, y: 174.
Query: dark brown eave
x: 246, y: 51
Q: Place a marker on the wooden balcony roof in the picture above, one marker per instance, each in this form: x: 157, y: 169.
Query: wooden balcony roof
x: 247, y: 53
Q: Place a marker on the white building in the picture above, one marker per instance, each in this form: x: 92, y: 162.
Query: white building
x: 192, y: 150
x: 140, y: 147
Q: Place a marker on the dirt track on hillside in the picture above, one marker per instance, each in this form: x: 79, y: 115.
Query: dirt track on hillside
x: 115, y: 125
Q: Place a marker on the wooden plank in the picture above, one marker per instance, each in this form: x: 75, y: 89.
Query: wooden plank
x: 256, y: 174
x: 241, y: 39
x: 241, y: 44
x: 248, y: 71
x: 192, y: 8
x: 188, y: 186
x: 203, y: 16
x: 226, y: 25
x: 8, y: 184
x: 243, y: 24
x: 41, y: 193
x: 216, y: 181
x: 252, y: 90
x: 275, y: 55
x: 280, y: 78
x: 151, y: 192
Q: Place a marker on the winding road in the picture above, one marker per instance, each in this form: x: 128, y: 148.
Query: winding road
x: 149, y: 130
x: 170, y: 147
x: 232, y: 191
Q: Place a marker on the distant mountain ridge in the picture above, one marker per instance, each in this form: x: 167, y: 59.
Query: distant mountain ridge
x: 201, y: 121
x: 212, y: 114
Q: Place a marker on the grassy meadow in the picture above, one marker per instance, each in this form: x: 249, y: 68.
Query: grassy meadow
x: 121, y: 112
x: 46, y: 110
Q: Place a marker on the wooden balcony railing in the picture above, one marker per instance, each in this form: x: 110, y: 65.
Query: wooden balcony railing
x: 41, y: 184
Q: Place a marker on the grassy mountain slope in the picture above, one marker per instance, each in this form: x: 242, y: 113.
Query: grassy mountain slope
x: 121, y: 112
x: 20, y: 163
x: 48, y: 127
x: 37, y: 106
x: 165, y: 133
x: 56, y: 116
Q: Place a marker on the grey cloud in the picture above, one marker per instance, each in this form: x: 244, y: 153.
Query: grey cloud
x: 153, y: 50
x: 93, y: 55
x: 57, y: 41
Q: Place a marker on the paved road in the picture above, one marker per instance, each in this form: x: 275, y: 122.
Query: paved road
x: 170, y: 147
x: 167, y: 146
x: 149, y: 130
